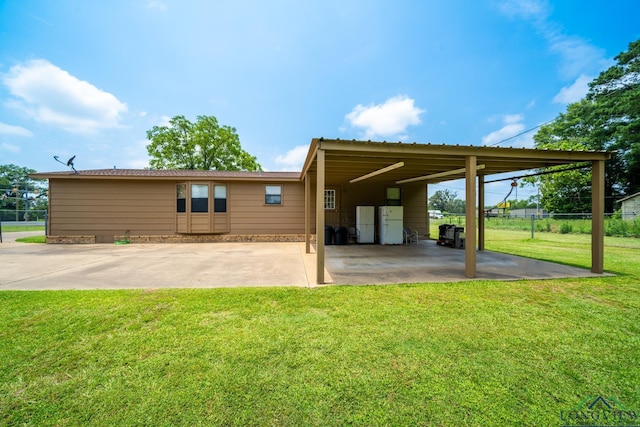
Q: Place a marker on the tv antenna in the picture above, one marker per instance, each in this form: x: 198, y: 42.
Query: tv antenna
x: 69, y: 163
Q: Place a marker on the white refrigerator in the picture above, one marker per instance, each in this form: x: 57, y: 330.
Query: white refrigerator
x: 365, y: 223
x: 390, y: 222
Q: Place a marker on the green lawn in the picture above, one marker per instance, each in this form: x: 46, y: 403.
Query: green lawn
x: 32, y: 239
x: 471, y: 353
x: 10, y: 228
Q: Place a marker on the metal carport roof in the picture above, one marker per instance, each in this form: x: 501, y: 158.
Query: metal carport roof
x: 338, y: 162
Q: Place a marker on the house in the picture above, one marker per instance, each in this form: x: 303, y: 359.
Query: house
x: 207, y: 206
x: 630, y: 206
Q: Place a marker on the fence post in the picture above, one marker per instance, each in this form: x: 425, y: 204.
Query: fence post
x: 533, y: 220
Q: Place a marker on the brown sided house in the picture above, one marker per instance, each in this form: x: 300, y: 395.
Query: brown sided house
x: 100, y: 206
x: 206, y: 206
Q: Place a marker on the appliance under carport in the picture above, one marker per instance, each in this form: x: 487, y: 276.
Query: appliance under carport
x: 451, y: 235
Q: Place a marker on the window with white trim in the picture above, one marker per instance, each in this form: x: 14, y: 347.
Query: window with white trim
x: 330, y: 199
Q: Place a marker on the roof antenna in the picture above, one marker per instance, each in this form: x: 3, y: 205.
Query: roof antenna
x: 69, y: 163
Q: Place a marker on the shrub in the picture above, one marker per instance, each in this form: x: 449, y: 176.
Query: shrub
x: 565, y: 228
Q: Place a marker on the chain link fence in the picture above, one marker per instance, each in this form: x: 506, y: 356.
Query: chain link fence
x: 563, y: 223
x: 21, y: 215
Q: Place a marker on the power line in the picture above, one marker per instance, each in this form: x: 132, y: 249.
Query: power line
x: 522, y: 133
x: 546, y: 172
x: 601, y: 95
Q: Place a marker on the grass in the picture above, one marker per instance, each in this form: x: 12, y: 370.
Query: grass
x: 10, y: 228
x: 470, y: 353
x: 32, y: 239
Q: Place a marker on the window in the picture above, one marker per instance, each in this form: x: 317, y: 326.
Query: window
x: 199, y: 198
x: 219, y: 198
x: 393, y: 196
x: 273, y: 195
x: 330, y: 199
x: 181, y: 197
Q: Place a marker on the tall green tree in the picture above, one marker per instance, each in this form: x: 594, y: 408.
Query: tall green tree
x: 607, y: 119
x: 203, y: 145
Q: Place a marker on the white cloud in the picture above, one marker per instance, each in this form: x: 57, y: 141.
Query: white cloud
x: 12, y: 130
x: 131, y: 155
x: 527, y: 9
x: 513, y: 118
x: 575, y: 92
x: 577, y: 55
x: 9, y: 147
x: 390, y: 118
x: 165, y: 121
x: 294, y: 158
x: 157, y: 5
x: 52, y: 96
x: 512, y: 126
x: 507, y: 131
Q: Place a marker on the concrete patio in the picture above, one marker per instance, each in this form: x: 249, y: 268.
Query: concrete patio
x: 209, y: 265
x: 428, y: 262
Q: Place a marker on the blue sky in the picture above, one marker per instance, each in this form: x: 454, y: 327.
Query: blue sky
x: 89, y: 78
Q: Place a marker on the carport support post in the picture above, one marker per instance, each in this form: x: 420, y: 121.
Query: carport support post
x: 481, y: 212
x: 307, y: 214
x: 470, y: 225
x: 426, y: 190
x: 597, y: 217
x: 320, y: 216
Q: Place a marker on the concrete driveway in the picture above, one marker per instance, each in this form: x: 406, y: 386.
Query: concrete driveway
x: 195, y: 265
x: 27, y: 266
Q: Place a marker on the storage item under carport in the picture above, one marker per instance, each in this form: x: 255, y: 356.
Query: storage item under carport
x: 365, y: 224
x: 451, y: 235
x: 328, y: 235
x: 341, y: 235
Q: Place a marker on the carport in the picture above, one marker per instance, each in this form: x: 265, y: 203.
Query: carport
x: 344, y: 164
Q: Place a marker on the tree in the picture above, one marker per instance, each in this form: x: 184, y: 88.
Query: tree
x: 458, y: 207
x: 16, y: 189
x: 445, y: 201
x: 203, y: 145
x: 607, y: 119
x: 522, y: 203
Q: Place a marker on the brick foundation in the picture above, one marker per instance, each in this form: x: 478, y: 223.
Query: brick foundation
x: 71, y: 239
x: 215, y: 238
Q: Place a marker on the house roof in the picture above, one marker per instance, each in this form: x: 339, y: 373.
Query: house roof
x: 169, y: 175
x: 629, y: 197
x: 348, y: 160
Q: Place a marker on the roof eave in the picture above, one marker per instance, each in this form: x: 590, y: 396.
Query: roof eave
x: 81, y: 176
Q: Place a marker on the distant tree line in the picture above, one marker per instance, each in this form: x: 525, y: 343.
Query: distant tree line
x: 19, y: 193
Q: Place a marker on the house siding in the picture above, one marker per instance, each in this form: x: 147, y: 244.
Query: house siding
x: 109, y: 208
x: 250, y: 215
x: 106, y: 208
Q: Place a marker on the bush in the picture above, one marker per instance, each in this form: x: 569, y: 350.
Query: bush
x: 566, y: 228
